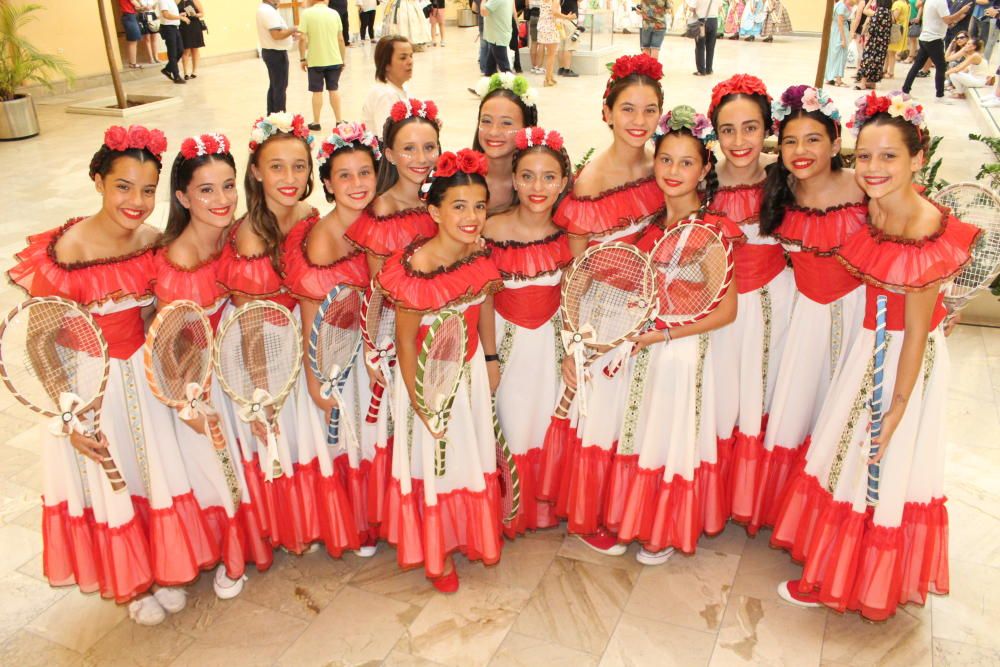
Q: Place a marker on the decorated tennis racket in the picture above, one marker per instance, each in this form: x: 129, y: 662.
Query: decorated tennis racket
x: 378, y: 330
x: 878, y: 376
x: 178, y: 362
x: 607, y: 295
x: 334, y: 339
x: 258, y: 355
x: 54, y: 359
x: 510, y: 478
x: 980, y: 206
x: 439, y: 372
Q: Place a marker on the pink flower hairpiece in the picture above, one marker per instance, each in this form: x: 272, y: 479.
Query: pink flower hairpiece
x: 281, y: 122
x: 348, y: 135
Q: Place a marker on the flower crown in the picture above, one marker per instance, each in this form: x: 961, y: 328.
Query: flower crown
x: 348, y: 135
x: 806, y: 98
x: 896, y: 103
x: 119, y: 138
x: 684, y: 117
x: 205, y: 144
x: 530, y: 137
x: 275, y: 123
x: 448, y: 164
x: 738, y: 84
x: 412, y: 108
x: 516, y: 84
x: 628, y: 65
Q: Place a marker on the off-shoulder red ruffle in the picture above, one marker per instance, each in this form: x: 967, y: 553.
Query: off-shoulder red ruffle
x: 850, y: 563
x: 610, y: 210
x: 413, y: 290
x: 307, y: 280
x: 895, y: 263
x: 725, y: 227
x: 739, y: 203
x: 533, y: 513
x: 387, y: 234
x: 39, y: 273
x: 247, y: 275
x: 516, y: 259
x: 199, y: 284
x: 821, y: 232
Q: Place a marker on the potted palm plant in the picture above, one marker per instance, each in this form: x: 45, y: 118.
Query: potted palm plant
x: 22, y: 64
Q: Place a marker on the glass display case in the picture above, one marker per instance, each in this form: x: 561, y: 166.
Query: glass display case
x: 598, y: 21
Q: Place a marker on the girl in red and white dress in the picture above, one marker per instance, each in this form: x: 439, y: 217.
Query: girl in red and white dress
x: 747, y: 351
x: 308, y: 502
x: 202, y: 206
x: 531, y: 252
x: 398, y: 216
x: 811, y: 204
x: 855, y: 556
x: 117, y: 544
x: 507, y: 105
x: 453, y: 271
x: 318, y: 258
x: 613, y: 199
x: 670, y: 410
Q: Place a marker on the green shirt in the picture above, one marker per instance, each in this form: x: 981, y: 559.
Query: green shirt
x: 322, y: 26
x: 497, y: 25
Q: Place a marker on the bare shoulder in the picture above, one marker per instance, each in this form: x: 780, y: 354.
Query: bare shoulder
x: 501, y: 227
x: 183, y: 254
x: 926, y: 222
x: 248, y: 243
x: 147, y: 235
x: 384, y: 205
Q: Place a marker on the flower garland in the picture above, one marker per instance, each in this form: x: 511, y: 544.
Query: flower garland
x: 515, y: 83
x: 118, y: 138
x: 738, y: 84
x: 896, y: 103
x: 414, y: 108
x: 684, y: 117
x: 347, y: 135
x: 642, y: 64
x: 448, y: 164
x: 530, y: 137
x: 808, y: 99
x: 275, y: 123
x: 205, y: 144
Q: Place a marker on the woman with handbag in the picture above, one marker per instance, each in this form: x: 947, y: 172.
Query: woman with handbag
x: 897, y: 37
x: 913, y: 29
x: 192, y: 35
x: 872, y: 67
x: 705, y: 13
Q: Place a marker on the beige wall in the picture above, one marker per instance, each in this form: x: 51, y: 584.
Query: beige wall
x: 807, y: 15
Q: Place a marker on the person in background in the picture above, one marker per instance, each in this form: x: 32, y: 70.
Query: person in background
x: 777, y: 21
x: 366, y: 12
x: 437, y: 20
x: 497, y: 18
x: 515, y: 36
x: 130, y: 23
x: 965, y: 75
x: 192, y: 35
x: 872, y: 67
x: 900, y: 13
x: 569, y: 10
x: 913, y: 31
x: 324, y: 40
x: 340, y: 6
x: 170, y: 21
x: 275, y: 39
x: 836, y: 57
x: 144, y: 10
x: 935, y: 21
x: 534, y: 10
x: 654, y: 26
x: 393, y: 68
x: 548, y: 38
x: 707, y: 12
x: 964, y: 24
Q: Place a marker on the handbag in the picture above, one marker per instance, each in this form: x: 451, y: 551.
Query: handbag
x: 695, y: 28
x: 152, y: 22
x: 896, y: 33
x: 914, y: 30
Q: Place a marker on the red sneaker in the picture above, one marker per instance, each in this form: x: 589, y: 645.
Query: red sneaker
x: 604, y: 542
x: 447, y: 583
x: 789, y: 592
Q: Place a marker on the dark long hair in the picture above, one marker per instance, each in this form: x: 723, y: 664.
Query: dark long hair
x: 560, y: 155
x: 760, y: 100
x: 618, y: 86
x: 104, y: 159
x: 440, y: 186
x: 327, y: 167
x: 778, y: 192
x: 262, y: 221
x: 181, y: 174
x: 387, y: 172
x: 916, y: 139
x: 707, y: 157
x: 529, y: 114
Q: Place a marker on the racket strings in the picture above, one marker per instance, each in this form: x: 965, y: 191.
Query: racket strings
x: 339, y: 331
x: 610, y: 290
x: 692, y: 272
x: 977, y: 206
x: 380, y: 321
x: 259, y: 351
x: 444, y: 362
x: 181, y: 352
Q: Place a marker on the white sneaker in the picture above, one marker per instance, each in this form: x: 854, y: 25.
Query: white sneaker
x: 171, y: 599
x: 788, y: 591
x: 366, y: 552
x: 603, y: 543
x: 146, y: 611
x: 654, y: 557
x: 224, y: 587
x: 944, y: 100
x: 992, y: 102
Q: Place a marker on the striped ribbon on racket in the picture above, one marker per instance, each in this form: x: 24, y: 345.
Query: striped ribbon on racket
x: 977, y: 205
x: 177, y: 357
x: 440, y: 365
x: 378, y: 330
x: 54, y: 360
x: 876, y: 402
x: 510, y: 478
x: 334, y: 339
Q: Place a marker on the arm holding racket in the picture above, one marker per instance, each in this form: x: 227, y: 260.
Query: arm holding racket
x: 407, y: 326
x: 488, y: 339
x: 724, y: 314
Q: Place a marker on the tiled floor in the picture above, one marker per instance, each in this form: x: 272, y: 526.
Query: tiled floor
x: 550, y: 601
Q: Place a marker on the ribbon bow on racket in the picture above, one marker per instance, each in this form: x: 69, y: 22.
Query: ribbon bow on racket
x: 195, y: 406
x: 331, y: 389
x: 575, y: 343
x: 255, y: 412
x: 375, y: 358
x: 66, y: 421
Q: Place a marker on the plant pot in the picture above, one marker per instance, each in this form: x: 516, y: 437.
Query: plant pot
x: 18, y: 119
x: 466, y: 18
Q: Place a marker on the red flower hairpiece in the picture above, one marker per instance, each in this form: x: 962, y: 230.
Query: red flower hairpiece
x: 413, y: 107
x: 205, y: 144
x: 745, y: 84
x: 628, y: 65
x: 118, y: 138
x: 530, y: 137
x: 466, y: 160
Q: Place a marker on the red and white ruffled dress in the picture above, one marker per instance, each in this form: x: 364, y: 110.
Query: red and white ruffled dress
x: 117, y: 544
x: 858, y: 557
x: 366, y: 472
x: 677, y: 492
x: 309, y: 502
x: 825, y: 321
x: 748, y: 350
x: 578, y: 461
x: 238, y: 529
x: 429, y: 517
x: 530, y: 348
x: 384, y: 235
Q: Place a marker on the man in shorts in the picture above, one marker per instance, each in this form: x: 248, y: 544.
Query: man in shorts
x: 130, y: 22
x: 571, y: 9
x: 654, y: 26
x: 322, y: 51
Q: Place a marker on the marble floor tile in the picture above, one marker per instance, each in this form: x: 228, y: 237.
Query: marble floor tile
x: 577, y: 604
x: 770, y: 632
x: 381, y: 574
x: 464, y: 629
x: 400, y: 659
x: 522, y: 565
x: 905, y: 642
x: 134, y: 645
x: 19, y: 546
x: 245, y: 634
x: 643, y: 642
x: 970, y: 613
x: 731, y: 540
x: 31, y: 518
x: 519, y: 650
x: 27, y: 434
x: 78, y: 620
x: 14, y: 460
x: 34, y: 569
x: 15, y: 500
x: 22, y: 598
x: 762, y: 568
x: 973, y: 532
x: 26, y: 649
x: 300, y: 586
x: 973, y: 422
x: 357, y: 627
x: 955, y: 654
x: 970, y: 379
x: 576, y: 549
x: 689, y: 591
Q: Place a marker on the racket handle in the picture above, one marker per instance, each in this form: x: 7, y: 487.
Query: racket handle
x: 333, y: 427
x: 272, y: 453
x: 440, y: 449
x: 376, y: 403
x: 565, y: 401
x: 111, y: 471
x: 226, y: 461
